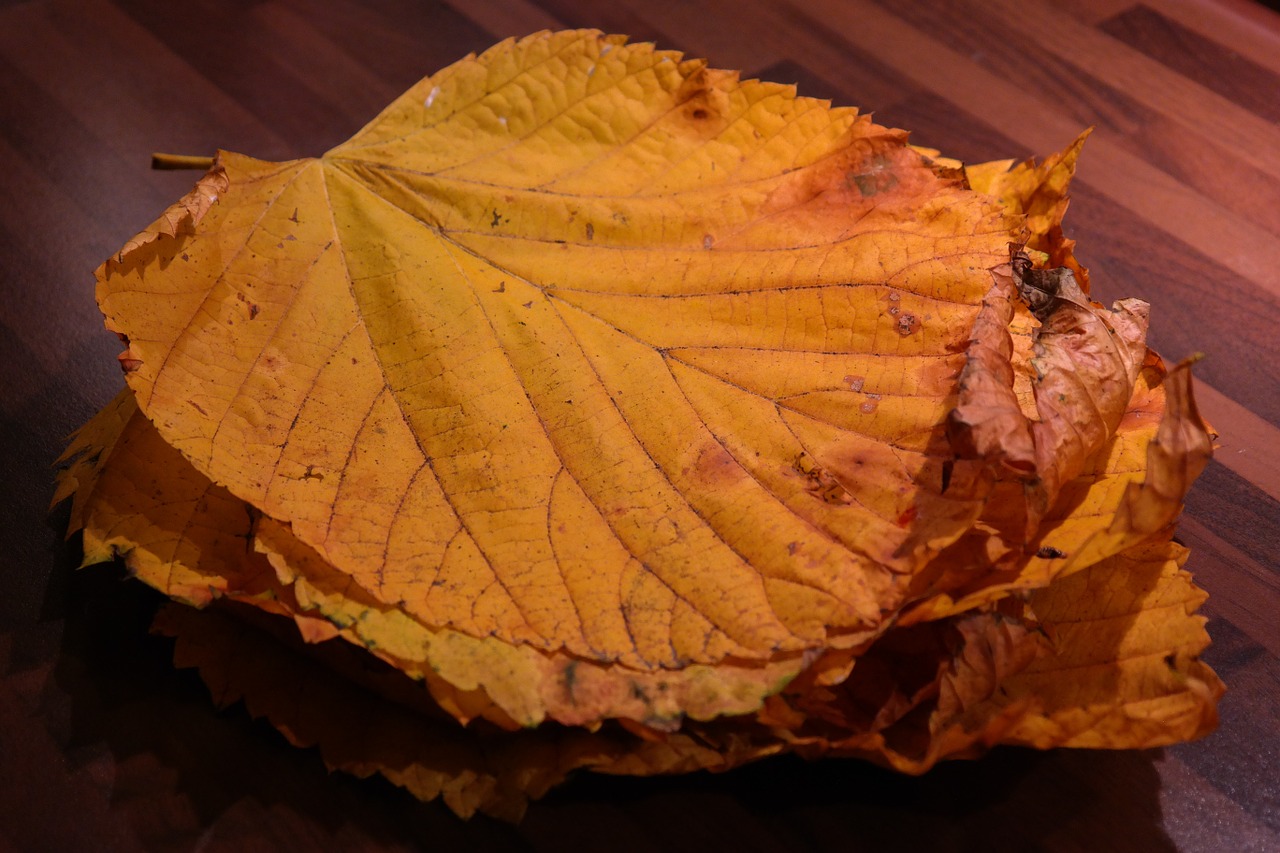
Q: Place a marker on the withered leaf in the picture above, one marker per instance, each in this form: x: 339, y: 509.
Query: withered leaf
x: 589, y: 386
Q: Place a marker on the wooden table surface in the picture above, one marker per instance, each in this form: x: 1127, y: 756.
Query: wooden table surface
x: 104, y: 746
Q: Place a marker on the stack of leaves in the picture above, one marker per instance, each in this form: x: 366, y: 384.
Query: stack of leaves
x: 592, y: 408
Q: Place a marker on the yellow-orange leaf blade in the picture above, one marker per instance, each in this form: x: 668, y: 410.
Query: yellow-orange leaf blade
x: 499, y: 358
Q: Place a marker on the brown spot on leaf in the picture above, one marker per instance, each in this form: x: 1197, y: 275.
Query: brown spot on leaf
x: 821, y: 483
x: 716, y: 466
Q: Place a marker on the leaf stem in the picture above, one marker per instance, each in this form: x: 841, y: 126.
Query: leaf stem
x: 170, y: 162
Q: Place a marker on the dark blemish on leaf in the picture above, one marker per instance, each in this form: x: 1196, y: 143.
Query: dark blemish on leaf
x: 354, y: 360
x: 873, y: 183
x: 820, y: 483
x: 570, y: 678
x: 907, y: 323
x: 497, y: 220
x: 184, y: 257
x: 716, y: 466
x: 528, y: 304
x: 501, y: 288
x: 946, y: 474
x: 855, y: 383
x: 708, y: 241
x: 792, y: 547
x: 294, y: 217
x: 196, y: 406
x: 907, y: 517
x: 1171, y: 661
x: 1048, y: 552
x: 312, y: 474
x: 591, y: 231
x: 700, y: 114
x: 253, y: 310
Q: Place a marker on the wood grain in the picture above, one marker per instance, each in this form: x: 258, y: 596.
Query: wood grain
x: 104, y: 746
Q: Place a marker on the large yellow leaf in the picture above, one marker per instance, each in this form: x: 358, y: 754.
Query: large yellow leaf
x: 581, y: 346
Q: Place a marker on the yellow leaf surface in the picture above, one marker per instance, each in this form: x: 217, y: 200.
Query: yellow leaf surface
x: 580, y: 346
x: 1124, y: 669
x: 194, y: 542
x: 175, y: 530
x: 521, y: 685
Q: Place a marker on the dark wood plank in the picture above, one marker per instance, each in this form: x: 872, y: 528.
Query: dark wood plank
x: 1139, y: 128
x: 1190, y: 54
x: 1247, y: 27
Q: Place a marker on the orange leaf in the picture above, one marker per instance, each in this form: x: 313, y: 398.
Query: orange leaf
x: 590, y: 386
x: 556, y: 393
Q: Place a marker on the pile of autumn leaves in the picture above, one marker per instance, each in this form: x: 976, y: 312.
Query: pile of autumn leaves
x: 595, y: 410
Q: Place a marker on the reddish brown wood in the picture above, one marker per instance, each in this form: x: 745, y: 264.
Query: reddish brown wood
x: 104, y: 746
